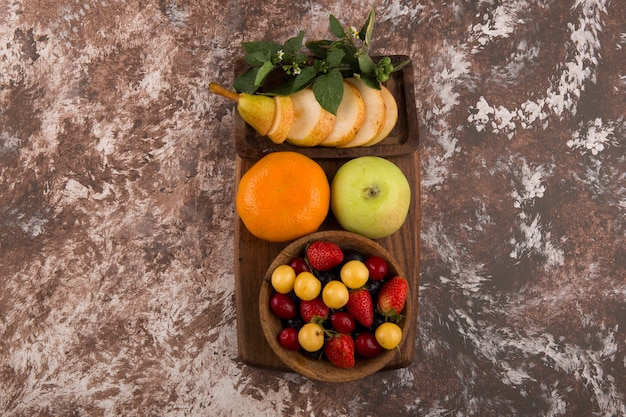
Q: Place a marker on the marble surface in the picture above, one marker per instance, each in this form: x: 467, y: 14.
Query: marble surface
x: 116, y: 204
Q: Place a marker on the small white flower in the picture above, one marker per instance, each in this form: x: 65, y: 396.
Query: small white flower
x: 280, y: 54
x: 296, y: 70
x: 354, y: 32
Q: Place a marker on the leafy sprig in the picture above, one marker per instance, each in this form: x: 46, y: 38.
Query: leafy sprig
x: 322, y: 64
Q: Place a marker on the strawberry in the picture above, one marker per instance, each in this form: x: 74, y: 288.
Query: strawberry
x: 339, y: 350
x: 314, y: 310
x: 323, y: 256
x: 392, y: 297
x: 361, y: 307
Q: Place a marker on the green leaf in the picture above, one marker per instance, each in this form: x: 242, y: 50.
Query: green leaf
x: 371, y: 81
x: 266, y: 47
x: 366, y: 64
x: 334, y: 58
x: 328, y: 90
x: 300, y: 58
x: 245, y: 82
x: 365, y: 34
x: 323, y: 64
x: 302, y: 80
x: 336, y: 28
x: 256, y: 59
x: 320, y: 48
x: 400, y: 65
x: 264, y: 70
x: 294, y: 44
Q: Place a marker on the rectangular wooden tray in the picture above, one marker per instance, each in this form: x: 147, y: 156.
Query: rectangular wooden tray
x: 253, y: 256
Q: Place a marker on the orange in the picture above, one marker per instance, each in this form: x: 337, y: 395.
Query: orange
x: 283, y: 196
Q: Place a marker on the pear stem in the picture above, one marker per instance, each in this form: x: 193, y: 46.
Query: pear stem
x: 218, y: 89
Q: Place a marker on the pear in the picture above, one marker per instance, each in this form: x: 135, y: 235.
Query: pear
x: 257, y: 110
x: 391, y: 116
x: 283, y: 119
x: 374, y: 114
x: 312, y: 123
x: 350, y: 117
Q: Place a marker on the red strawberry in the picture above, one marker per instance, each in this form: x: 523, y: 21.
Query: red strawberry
x: 339, y: 350
x: 323, y: 256
x: 392, y: 297
x: 361, y: 307
x: 314, y: 310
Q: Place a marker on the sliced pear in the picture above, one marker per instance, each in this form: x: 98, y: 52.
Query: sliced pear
x: 391, y: 116
x: 350, y: 117
x: 312, y: 123
x: 257, y: 110
x: 283, y: 119
x: 374, y: 114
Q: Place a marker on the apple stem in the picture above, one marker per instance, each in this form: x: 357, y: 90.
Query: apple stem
x: 218, y: 89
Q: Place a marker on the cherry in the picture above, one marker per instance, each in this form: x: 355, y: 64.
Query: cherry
x: 283, y: 306
x: 289, y: 338
x: 377, y: 267
x: 367, y: 345
x: 299, y: 265
x: 342, y: 322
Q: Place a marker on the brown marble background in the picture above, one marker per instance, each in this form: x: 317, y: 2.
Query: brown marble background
x: 116, y: 190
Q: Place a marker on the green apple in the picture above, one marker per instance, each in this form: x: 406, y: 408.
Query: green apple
x: 370, y: 196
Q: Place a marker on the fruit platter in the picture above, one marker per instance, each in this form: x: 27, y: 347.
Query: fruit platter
x: 338, y: 173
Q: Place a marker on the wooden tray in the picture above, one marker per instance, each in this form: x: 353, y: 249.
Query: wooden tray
x: 253, y: 256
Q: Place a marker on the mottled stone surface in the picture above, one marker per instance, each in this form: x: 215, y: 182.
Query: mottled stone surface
x: 116, y: 213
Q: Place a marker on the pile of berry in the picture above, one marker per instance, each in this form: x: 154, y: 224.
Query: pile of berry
x: 338, y: 304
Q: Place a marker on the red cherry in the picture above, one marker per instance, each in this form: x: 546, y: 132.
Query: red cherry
x: 289, y: 338
x: 377, y: 267
x: 283, y: 306
x: 299, y: 265
x: 342, y: 322
x: 366, y: 345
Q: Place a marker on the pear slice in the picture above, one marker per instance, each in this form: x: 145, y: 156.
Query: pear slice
x: 283, y: 119
x: 391, y: 116
x: 374, y: 114
x: 350, y: 117
x: 256, y: 110
x: 312, y: 123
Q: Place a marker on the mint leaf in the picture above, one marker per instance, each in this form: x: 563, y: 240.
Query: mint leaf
x: 336, y: 28
x: 328, y: 90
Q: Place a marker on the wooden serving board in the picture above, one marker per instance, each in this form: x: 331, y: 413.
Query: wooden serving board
x: 253, y: 256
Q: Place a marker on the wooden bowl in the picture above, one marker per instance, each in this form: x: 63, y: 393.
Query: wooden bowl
x: 321, y: 369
